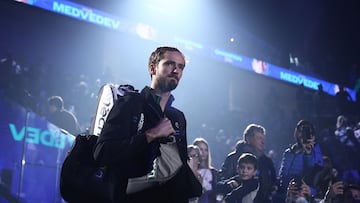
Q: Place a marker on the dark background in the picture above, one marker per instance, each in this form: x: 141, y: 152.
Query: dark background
x: 323, y: 34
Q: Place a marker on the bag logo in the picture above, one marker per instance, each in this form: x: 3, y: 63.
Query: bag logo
x: 141, y: 122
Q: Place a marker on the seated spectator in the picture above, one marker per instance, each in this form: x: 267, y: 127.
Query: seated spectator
x: 61, y: 117
x: 244, y: 186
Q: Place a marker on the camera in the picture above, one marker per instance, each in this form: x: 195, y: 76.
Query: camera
x: 306, y: 133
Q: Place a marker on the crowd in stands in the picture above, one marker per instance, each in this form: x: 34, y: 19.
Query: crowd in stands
x: 313, y: 169
x: 32, y: 85
x: 335, y: 118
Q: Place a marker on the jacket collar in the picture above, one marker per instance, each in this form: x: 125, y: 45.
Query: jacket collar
x: 148, y: 94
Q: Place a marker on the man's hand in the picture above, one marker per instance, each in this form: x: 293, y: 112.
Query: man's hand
x: 305, y: 190
x: 163, y: 129
x: 194, y: 168
x: 292, y: 189
x: 296, y: 192
x: 308, y: 145
x: 193, y: 164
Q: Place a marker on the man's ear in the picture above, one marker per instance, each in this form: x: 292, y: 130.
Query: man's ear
x: 152, y: 69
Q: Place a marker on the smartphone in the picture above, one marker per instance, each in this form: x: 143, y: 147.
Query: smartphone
x: 298, y: 181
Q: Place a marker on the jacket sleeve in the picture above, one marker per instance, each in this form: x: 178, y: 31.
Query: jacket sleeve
x: 267, y: 176
x: 119, y: 141
x: 223, y: 188
x: 245, y: 188
x: 286, y: 160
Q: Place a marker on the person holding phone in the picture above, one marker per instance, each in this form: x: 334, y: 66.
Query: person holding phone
x: 304, y: 159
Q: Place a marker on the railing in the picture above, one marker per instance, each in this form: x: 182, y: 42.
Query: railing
x: 31, y: 154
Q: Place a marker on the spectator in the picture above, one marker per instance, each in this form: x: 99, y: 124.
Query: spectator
x: 194, y: 162
x: 253, y: 142
x: 343, y: 101
x: 303, y: 159
x: 208, y: 173
x: 61, y: 117
x: 320, y: 102
x: 244, y: 186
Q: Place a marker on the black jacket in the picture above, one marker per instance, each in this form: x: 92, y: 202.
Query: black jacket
x: 266, y: 169
x: 122, y: 144
x: 237, y: 194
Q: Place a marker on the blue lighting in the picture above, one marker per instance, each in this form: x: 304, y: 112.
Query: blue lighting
x: 80, y: 12
x: 228, y: 55
x: 188, y: 43
x: 106, y: 20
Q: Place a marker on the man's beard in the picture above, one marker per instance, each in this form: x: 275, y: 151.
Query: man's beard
x: 166, y: 85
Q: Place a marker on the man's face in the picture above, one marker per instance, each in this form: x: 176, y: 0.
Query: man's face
x: 246, y: 171
x: 52, y: 108
x: 167, y: 74
x: 303, y: 133
x: 257, y: 141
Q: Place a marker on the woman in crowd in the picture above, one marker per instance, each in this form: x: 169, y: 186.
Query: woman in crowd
x: 208, y: 173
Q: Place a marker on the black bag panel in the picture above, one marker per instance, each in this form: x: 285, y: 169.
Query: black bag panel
x: 82, y: 179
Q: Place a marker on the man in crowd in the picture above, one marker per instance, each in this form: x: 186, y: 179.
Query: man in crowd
x: 303, y: 159
x: 254, y: 143
x: 61, y: 117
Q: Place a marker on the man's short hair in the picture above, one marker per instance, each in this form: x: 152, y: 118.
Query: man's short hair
x: 159, y: 52
x: 248, y: 158
x: 56, y: 101
x: 251, y: 129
